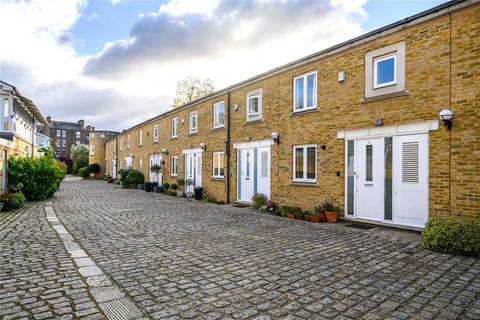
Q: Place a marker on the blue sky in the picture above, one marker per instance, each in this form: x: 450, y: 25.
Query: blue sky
x: 116, y: 63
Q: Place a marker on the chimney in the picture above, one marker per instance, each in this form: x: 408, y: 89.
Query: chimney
x: 88, y: 128
x: 81, y: 123
x: 93, y: 128
x: 49, y: 119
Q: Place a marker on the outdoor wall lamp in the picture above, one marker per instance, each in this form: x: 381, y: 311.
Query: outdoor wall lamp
x: 275, y: 137
x: 203, y: 146
x: 446, y: 115
x: 165, y: 151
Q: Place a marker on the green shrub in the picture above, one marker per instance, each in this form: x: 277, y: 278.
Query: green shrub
x: 166, y: 186
x: 83, y: 172
x: 258, y: 200
x: 39, y: 177
x: 284, y: 210
x: 12, y: 201
x: 131, y: 178
x: 209, y: 198
x: 452, y: 234
x: 93, y: 168
x: 174, y: 186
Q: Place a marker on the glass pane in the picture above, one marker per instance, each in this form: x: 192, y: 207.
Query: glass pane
x: 369, y: 169
x: 253, y: 104
x: 299, y: 163
x: 264, y: 164
x: 247, y: 158
x: 350, y: 176
x: 299, y: 93
x: 221, y: 111
x: 386, y: 70
x: 311, y: 90
x: 311, y: 162
x: 388, y: 178
x: 220, y: 164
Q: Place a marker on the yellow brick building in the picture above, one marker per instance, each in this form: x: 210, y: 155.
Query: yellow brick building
x: 357, y: 123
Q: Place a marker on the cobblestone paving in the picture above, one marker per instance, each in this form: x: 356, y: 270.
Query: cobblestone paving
x: 38, y: 279
x: 179, y: 259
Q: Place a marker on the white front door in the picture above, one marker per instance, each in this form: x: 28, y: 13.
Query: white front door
x: 411, y: 180
x: 193, y: 171
x: 370, y: 174
x: 155, y: 159
x: 114, y: 168
x: 253, y: 173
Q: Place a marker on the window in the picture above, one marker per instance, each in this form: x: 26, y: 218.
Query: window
x: 78, y: 134
x: 174, y: 127
x: 59, y: 133
x: 369, y: 163
x: 5, y: 114
x: 92, y: 150
x: 140, y: 164
x: 59, y: 143
x: 77, y: 142
x: 121, y: 144
x: 385, y: 70
x: 305, y: 92
x: 193, y: 122
x: 128, y: 142
x: 140, y: 137
x: 254, y: 105
x: 218, y: 165
x: 174, y: 165
x: 219, y: 115
x: 64, y: 133
x: 305, y: 163
x: 155, y: 133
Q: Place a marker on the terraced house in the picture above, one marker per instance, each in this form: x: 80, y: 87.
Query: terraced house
x: 387, y: 125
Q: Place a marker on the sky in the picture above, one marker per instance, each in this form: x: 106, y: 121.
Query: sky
x: 116, y: 63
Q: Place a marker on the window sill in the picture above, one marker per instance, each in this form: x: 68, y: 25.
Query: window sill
x: 304, y: 183
x: 192, y: 134
x: 253, y: 121
x: 173, y: 176
x: 297, y: 113
x: 155, y: 142
x: 173, y: 138
x: 217, y: 178
x: 218, y: 128
x: 404, y: 93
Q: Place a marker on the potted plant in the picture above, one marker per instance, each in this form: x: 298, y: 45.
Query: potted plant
x: 258, y: 200
x: 156, y: 168
x: 269, y: 206
x: 284, y: 210
x: 189, y: 188
x: 318, y: 215
x: 180, y: 183
x: 299, y: 214
x: 291, y: 213
x: 174, y: 188
x: 158, y: 189
x: 331, y: 215
x: 306, y: 215
x: 166, y: 186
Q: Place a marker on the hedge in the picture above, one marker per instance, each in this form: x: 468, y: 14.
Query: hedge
x: 131, y: 178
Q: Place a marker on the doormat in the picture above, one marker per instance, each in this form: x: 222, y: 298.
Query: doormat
x: 359, y: 226
x: 240, y: 205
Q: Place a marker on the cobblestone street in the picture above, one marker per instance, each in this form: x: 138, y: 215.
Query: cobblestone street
x: 174, y: 258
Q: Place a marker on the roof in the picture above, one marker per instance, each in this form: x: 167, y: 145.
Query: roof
x: 28, y: 104
x: 66, y: 125
x: 344, y: 45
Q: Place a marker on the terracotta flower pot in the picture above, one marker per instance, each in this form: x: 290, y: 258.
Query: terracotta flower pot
x: 332, y: 216
x: 290, y: 216
x: 315, y: 219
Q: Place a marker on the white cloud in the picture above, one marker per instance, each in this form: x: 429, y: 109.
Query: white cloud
x: 225, y: 41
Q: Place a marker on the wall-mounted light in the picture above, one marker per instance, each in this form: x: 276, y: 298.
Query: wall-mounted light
x: 183, y: 120
x: 203, y: 146
x: 236, y: 107
x: 446, y: 115
x: 164, y: 151
x: 276, y: 137
x: 341, y: 76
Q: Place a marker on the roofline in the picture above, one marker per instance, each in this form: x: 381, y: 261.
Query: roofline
x: 434, y: 12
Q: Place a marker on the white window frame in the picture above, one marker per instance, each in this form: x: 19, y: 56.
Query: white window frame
x: 250, y: 116
x: 191, y: 129
x: 140, y: 164
x: 120, y: 144
x: 376, y: 60
x: 140, y: 137
x: 174, y: 166
x: 305, y: 91
x: 174, y: 127
x: 216, y: 117
x: 92, y: 150
x: 155, y: 133
x: 59, y: 133
x: 128, y: 142
x: 304, y: 147
x: 78, y: 134
x: 64, y: 133
x: 216, y: 171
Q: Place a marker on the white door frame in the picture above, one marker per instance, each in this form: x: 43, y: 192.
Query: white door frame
x: 114, y: 168
x: 381, y: 132
x: 196, y: 153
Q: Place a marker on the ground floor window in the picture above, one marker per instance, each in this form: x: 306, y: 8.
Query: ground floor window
x: 174, y: 165
x: 305, y: 163
x: 218, y: 165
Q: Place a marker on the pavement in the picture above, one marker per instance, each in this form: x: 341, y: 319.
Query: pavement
x: 161, y: 257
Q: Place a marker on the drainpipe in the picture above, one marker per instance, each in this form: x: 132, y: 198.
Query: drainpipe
x: 33, y: 136
x: 227, y: 146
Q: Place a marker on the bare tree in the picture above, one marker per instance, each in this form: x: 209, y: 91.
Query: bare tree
x: 190, y: 89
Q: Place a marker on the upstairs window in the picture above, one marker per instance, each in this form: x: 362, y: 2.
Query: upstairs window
x: 128, y: 142
x: 155, y: 133
x: 174, y: 127
x: 140, y: 137
x: 193, y: 122
x: 254, y: 105
x: 64, y: 133
x: 219, y: 115
x: 384, y: 71
x: 92, y: 150
x: 59, y: 133
x: 6, y: 114
x: 77, y: 134
x: 305, y: 92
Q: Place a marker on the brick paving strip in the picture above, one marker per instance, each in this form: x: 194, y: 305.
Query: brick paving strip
x: 106, y: 294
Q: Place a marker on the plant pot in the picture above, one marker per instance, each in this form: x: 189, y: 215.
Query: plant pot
x: 300, y: 217
x: 290, y: 216
x: 332, y: 216
x: 315, y: 219
x: 141, y: 186
x: 180, y: 193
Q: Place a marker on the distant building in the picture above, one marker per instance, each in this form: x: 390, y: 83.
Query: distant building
x: 20, y: 121
x: 65, y: 134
